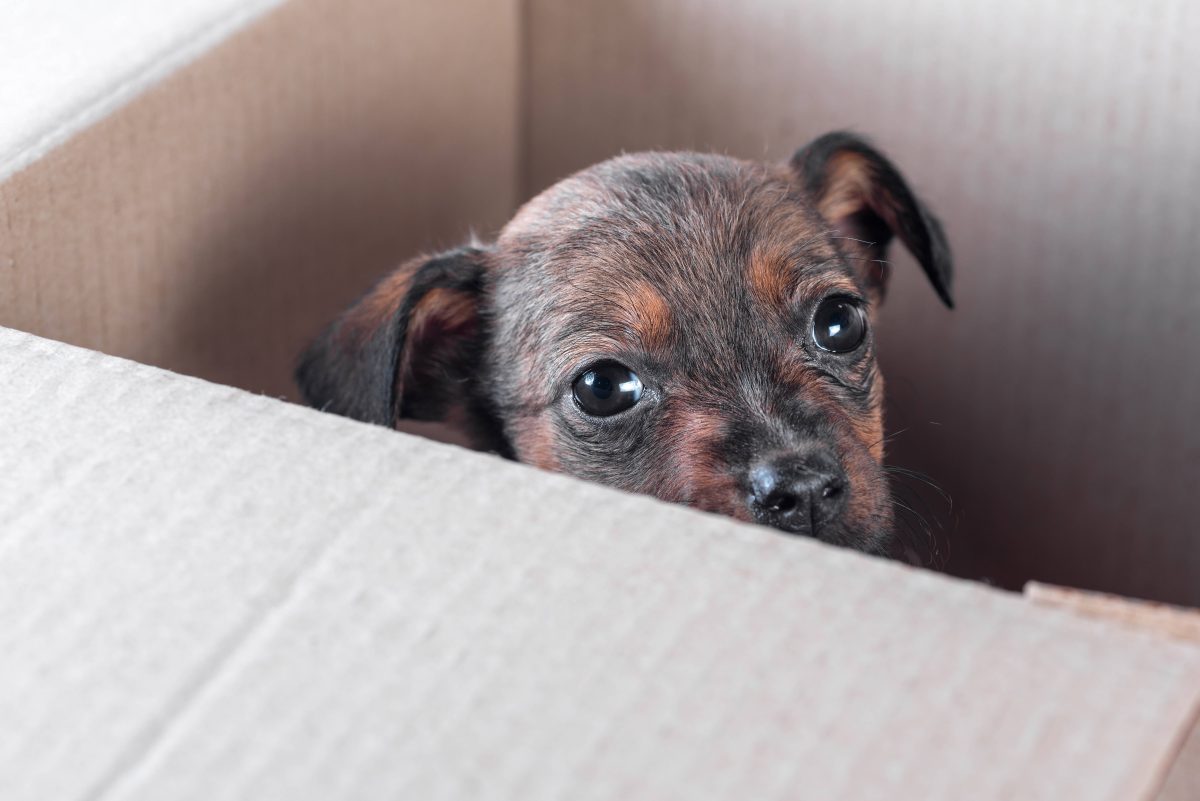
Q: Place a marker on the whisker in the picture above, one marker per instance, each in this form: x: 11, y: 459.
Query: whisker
x: 913, y: 511
x: 923, y: 478
x: 854, y: 239
x: 925, y: 553
x: 888, y: 437
x: 884, y: 262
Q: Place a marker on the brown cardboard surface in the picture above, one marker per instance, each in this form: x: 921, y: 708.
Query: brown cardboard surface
x: 64, y: 64
x: 218, y: 221
x: 1170, y: 621
x: 1182, y: 781
x: 208, y: 594
x: 1060, y: 142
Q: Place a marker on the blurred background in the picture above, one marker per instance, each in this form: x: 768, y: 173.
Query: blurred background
x: 246, y: 199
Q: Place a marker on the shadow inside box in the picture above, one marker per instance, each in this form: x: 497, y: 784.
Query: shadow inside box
x: 298, y: 239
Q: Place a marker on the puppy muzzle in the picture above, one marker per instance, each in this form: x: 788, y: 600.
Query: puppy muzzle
x: 798, y: 494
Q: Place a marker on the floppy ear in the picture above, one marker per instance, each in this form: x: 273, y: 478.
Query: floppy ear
x: 864, y: 197
x: 409, y: 348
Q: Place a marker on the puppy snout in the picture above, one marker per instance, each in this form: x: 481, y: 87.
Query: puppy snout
x: 797, y: 495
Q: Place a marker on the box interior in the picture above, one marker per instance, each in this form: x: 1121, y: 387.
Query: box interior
x: 209, y: 593
x: 215, y: 222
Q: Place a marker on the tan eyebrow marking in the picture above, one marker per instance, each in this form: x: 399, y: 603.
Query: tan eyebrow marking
x: 767, y: 274
x: 650, y: 316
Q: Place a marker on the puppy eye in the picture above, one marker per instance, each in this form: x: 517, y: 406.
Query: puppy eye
x: 607, y: 389
x: 839, y: 326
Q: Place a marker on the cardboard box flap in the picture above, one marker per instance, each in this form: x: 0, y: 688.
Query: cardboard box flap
x: 1183, y: 778
x: 1170, y: 621
x: 64, y: 64
x: 219, y: 220
x: 208, y: 594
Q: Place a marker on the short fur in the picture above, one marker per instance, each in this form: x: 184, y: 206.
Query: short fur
x: 701, y: 273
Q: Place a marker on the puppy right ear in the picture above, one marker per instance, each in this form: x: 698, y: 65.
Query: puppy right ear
x: 863, y: 196
x: 406, y: 349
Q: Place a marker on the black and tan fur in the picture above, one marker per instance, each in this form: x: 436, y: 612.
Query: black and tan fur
x: 700, y: 273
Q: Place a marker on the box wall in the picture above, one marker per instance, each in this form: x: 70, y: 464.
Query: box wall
x: 259, y: 600
x: 1061, y: 146
x: 215, y: 223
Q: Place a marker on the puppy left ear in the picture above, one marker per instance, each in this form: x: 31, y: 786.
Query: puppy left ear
x: 865, y: 198
x: 409, y: 348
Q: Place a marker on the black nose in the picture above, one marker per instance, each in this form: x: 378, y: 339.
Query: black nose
x: 799, y: 494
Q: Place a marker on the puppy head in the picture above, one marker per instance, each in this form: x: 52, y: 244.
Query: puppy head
x: 692, y: 327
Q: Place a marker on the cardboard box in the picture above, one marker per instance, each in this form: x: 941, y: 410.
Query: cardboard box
x: 207, y: 593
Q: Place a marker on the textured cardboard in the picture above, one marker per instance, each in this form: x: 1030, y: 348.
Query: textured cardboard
x: 214, y: 223
x: 208, y: 594
x: 1171, y: 621
x: 1183, y: 780
x: 70, y: 63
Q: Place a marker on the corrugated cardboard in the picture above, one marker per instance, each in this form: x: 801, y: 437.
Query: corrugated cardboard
x: 1171, y: 621
x: 213, y: 595
x: 219, y: 219
x: 69, y: 64
x: 209, y: 594
x: 1183, y: 781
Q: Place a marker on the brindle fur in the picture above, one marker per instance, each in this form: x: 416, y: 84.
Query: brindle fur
x: 699, y: 272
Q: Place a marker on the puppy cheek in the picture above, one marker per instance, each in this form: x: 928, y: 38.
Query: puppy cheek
x: 707, y: 489
x: 868, y: 437
x: 870, y: 507
x: 696, y: 475
x: 533, y: 443
x: 860, y: 442
x: 870, y: 431
x: 860, y: 428
x: 867, y: 477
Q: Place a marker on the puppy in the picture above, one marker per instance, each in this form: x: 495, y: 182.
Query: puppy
x: 689, y: 326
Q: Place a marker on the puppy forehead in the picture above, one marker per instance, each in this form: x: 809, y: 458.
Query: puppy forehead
x: 698, y: 261
x: 694, y: 228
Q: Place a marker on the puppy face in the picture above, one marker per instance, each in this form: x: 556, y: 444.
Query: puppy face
x: 692, y: 327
